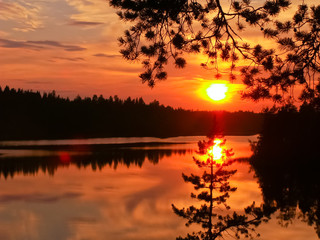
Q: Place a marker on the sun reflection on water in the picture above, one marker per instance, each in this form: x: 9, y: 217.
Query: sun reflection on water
x: 216, y: 152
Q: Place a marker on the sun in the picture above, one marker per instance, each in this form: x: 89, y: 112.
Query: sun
x: 217, y: 91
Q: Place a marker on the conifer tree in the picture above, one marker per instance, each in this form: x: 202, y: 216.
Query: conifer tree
x: 214, y: 216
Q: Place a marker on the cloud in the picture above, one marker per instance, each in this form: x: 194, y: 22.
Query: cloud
x: 122, y: 69
x: 17, y: 44
x: 23, y: 13
x: 38, y: 82
x: 106, y: 55
x: 91, y: 11
x: 85, y: 23
x: 57, y: 44
x: 75, y: 59
x: 38, y: 45
x: 98, y: 12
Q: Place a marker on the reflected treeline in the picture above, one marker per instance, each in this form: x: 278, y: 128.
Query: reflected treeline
x: 31, y: 115
x: 286, y: 162
x: 94, y: 157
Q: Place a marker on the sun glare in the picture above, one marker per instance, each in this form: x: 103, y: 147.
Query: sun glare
x: 216, y: 151
x: 217, y: 91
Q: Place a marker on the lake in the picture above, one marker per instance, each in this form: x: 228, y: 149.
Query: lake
x: 116, y: 188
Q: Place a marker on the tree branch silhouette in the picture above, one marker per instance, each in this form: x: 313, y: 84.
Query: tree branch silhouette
x: 164, y: 30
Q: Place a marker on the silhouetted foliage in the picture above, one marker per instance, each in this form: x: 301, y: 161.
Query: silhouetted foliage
x: 162, y: 31
x: 31, y: 115
x: 294, y: 66
x: 213, y: 190
x: 286, y: 162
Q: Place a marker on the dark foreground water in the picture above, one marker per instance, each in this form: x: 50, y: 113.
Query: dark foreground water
x: 116, y: 189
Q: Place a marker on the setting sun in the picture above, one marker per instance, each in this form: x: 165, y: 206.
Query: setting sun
x: 217, y: 91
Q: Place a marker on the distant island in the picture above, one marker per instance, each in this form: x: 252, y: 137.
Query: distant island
x: 32, y: 115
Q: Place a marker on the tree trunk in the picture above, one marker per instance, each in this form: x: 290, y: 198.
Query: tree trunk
x: 211, y: 203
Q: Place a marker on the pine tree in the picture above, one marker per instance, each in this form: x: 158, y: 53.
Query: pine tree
x: 213, y: 189
x: 163, y: 30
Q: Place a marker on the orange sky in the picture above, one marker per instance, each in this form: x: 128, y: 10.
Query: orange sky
x: 71, y: 46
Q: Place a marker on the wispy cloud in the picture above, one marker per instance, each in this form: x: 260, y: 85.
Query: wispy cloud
x: 5, y: 43
x: 85, y: 23
x: 97, y: 12
x: 91, y: 11
x: 106, y: 55
x: 57, y: 44
x: 38, y: 82
x: 38, y: 45
x: 23, y: 13
x: 75, y: 59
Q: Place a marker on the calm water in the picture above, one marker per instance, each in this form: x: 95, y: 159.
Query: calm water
x: 117, y: 189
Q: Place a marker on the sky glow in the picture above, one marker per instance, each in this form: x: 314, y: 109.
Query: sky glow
x: 71, y: 46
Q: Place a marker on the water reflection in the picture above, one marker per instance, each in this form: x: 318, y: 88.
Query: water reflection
x: 286, y: 165
x: 211, y: 212
x: 49, y: 158
x: 123, y: 201
x: 125, y: 192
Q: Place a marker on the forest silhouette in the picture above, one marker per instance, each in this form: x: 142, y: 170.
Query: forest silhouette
x: 286, y: 164
x: 32, y: 115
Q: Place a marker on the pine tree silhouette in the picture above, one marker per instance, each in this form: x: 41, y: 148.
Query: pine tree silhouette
x: 213, y: 189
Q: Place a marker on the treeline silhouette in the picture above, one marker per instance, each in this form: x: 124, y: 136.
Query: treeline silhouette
x: 286, y: 161
x: 95, y: 157
x: 32, y: 115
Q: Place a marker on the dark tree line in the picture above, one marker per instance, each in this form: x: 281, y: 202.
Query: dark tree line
x: 286, y: 161
x: 31, y: 115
